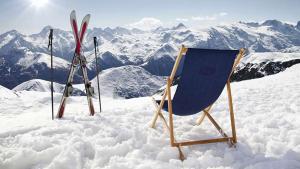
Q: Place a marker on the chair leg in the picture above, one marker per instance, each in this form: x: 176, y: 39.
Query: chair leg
x: 215, y: 124
x: 158, y: 110
x: 200, y: 119
x: 166, y: 127
x: 170, y: 111
x: 231, y: 112
x: 172, y: 138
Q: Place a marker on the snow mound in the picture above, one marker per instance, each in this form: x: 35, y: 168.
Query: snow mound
x: 128, y: 81
x: 5, y: 93
x: 45, y: 86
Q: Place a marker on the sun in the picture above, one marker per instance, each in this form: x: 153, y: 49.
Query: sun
x: 39, y: 3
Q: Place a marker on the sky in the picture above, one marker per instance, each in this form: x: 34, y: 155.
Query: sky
x: 30, y: 16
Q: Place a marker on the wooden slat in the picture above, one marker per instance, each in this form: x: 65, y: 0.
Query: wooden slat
x: 215, y: 124
x: 200, y: 119
x: 183, y: 50
x: 161, y: 116
x: 237, y: 60
x: 187, y: 143
x: 231, y: 112
x: 181, y: 156
x: 170, y: 111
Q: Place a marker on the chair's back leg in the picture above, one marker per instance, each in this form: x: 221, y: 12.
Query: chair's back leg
x: 200, y: 119
x: 231, y: 111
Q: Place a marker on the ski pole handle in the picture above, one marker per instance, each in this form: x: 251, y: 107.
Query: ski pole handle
x: 50, y: 38
x: 95, y: 41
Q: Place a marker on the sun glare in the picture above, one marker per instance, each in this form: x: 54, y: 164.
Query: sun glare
x: 39, y: 3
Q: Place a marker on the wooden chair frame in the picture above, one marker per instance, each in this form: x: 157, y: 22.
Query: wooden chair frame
x: 167, y: 93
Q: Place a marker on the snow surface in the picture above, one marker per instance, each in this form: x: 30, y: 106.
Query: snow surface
x: 45, y: 86
x: 39, y: 85
x: 260, y: 57
x: 127, y: 81
x: 5, y: 93
x: 33, y: 58
x: 267, y: 122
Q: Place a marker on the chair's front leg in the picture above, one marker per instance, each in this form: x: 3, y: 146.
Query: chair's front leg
x: 159, y: 109
x: 166, y: 127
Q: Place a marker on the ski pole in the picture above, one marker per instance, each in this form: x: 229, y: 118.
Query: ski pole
x: 51, y: 53
x: 97, y: 68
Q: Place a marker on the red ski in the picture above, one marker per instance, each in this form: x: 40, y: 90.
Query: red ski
x: 78, y: 59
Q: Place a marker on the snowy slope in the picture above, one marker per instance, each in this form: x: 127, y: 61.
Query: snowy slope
x: 31, y: 59
x: 5, y: 93
x: 259, y: 57
x: 256, y: 65
x: 127, y: 81
x: 267, y: 122
x: 45, y: 86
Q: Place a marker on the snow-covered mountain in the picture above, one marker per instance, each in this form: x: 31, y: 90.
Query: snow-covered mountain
x: 128, y: 81
x: 271, y: 35
x: 257, y: 65
x: 21, y: 65
x: 24, y: 57
x: 45, y: 86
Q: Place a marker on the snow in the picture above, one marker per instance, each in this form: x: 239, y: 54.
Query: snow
x: 267, y: 122
x: 32, y: 58
x: 6, y: 40
x: 127, y: 81
x: 6, y: 93
x: 38, y: 85
x: 260, y: 57
x: 45, y: 86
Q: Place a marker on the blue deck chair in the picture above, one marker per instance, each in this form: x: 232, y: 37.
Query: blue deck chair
x: 203, y: 76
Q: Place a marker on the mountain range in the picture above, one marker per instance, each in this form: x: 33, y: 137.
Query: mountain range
x: 26, y: 57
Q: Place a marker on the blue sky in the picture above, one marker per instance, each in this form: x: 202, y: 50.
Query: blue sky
x: 26, y: 17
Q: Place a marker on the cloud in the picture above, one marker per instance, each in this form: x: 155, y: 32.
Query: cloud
x: 182, y: 19
x: 146, y: 23
x: 209, y: 18
x: 204, y: 18
x: 223, y: 13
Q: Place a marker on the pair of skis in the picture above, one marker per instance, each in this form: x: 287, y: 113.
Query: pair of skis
x: 78, y: 59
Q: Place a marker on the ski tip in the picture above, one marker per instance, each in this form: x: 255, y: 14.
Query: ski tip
x: 73, y: 14
x: 87, y: 17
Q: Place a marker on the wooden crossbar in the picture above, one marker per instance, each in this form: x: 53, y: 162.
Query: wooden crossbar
x: 207, y: 141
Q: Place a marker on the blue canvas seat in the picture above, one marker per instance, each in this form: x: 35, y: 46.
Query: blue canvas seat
x: 202, y: 75
x: 202, y: 79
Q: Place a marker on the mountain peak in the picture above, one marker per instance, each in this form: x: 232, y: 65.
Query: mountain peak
x: 272, y: 23
x: 298, y: 25
x: 12, y: 32
x: 180, y: 26
x: 252, y: 24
